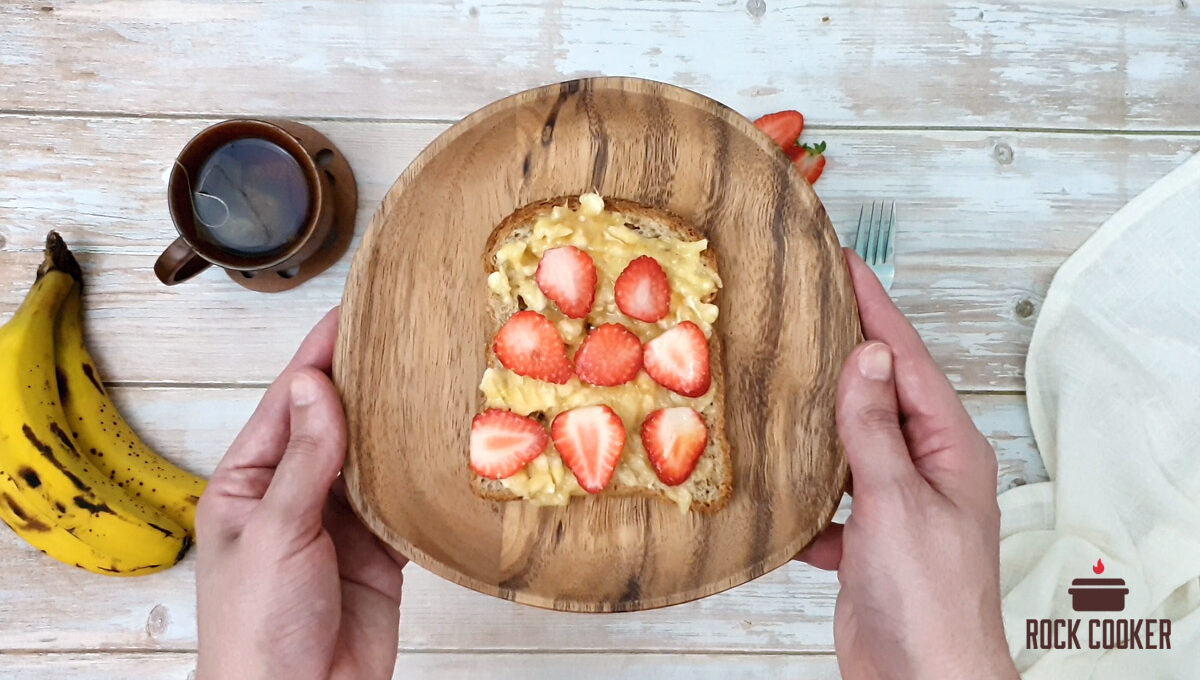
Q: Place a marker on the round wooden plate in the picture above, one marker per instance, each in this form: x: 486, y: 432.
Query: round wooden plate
x: 414, y: 330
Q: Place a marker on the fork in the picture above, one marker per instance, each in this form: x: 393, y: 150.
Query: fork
x: 873, y: 239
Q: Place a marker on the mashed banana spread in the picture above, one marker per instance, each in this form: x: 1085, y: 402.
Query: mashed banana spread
x: 606, y: 238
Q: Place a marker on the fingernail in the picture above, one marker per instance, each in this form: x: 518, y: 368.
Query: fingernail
x: 304, y: 390
x: 875, y: 362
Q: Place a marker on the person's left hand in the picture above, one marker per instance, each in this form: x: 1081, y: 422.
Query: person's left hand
x: 289, y: 584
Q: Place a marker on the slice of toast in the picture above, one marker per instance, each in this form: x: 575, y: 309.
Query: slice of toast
x: 711, y: 491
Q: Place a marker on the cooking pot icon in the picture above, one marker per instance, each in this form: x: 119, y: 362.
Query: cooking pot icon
x: 1098, y: 594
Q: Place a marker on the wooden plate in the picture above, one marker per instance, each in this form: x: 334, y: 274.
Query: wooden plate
x: 414, y: 330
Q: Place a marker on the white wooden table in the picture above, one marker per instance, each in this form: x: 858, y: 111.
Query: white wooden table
x: 1007, y: 132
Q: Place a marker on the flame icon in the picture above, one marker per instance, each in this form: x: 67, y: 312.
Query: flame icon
x: 1099, y: 567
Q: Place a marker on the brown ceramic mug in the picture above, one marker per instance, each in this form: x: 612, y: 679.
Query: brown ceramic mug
x: 270, y: 268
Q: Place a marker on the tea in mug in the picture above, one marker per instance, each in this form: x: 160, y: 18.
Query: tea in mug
x: 250, y: 197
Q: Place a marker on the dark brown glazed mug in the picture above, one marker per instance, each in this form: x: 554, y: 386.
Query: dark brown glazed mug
x: 279, y: 268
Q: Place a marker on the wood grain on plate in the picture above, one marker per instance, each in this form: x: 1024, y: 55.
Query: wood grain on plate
x: 414, y: 331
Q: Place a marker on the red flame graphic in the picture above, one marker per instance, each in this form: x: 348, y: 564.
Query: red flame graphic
x: 1099, y: 568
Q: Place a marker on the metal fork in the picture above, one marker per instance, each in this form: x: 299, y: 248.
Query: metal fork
x: 873, y: 239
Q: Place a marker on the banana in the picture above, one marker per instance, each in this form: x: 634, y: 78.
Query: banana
x: 57, y: 541
x: 104, y: 437
x: 48, y: 490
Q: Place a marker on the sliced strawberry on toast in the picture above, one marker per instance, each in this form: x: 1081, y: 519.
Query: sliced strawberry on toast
x: 590, y: 440
x: 529, y: 345
x: 610, y: 355
x: 674, y: 438
x: 784, y: 127
x: 642, y: 291
x: 567, y: 276
x: 678, y: 360
x: 503, y: 442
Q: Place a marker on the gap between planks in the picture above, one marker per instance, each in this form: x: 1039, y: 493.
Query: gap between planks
x: 808, y: 125
x: 463, y: 664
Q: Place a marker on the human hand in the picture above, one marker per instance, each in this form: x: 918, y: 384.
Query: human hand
x: 289, y: 584
x: 919, y: 557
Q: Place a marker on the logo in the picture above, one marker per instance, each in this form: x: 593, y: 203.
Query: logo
x: 1098, y: 595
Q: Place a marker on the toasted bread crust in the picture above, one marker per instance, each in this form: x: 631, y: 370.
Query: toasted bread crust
x: 529, y: 214
x: 714, y: 416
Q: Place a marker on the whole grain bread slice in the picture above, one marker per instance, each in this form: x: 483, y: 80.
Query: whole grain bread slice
x: 710, y: 493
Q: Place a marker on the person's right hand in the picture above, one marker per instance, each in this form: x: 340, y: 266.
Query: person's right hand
x: 918, y: 559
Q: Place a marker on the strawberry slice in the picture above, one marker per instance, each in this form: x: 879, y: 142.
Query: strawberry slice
x: 674, y: 438
x: 783, y: 127
x: 567, y: 276
x: 529, y: 345
x: 678, y: 360
x: 610, y: 355
x: 590, y: 441
x: 503, y: 442
x: 642, y: 291
x: 809, y: 160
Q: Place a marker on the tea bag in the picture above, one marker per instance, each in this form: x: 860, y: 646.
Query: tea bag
x: 251, y: 197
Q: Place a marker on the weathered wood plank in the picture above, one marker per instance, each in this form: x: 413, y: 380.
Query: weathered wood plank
x: 46, y: 606
x: 1004, y: 64
x: 984, y: 218
x: 179, y: 666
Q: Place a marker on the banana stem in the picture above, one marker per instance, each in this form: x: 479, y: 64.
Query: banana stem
x: 58, y: 258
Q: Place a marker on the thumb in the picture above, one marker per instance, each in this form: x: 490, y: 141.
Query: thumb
x: 315, y: 450
x: 868, y: 420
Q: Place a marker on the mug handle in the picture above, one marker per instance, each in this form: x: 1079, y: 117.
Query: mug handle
x: 179, y: 263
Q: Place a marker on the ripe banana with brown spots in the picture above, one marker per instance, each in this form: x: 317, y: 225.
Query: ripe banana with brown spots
x: 60, y: 543
x: 50, y: 493
x: 104, y: 437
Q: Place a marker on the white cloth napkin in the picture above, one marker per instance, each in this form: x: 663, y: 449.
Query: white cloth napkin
x: 1113, y: 379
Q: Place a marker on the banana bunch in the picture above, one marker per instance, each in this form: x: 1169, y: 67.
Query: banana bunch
x: 75, y: 481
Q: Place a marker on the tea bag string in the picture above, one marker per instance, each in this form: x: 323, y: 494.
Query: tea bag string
x: 199, y: 199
